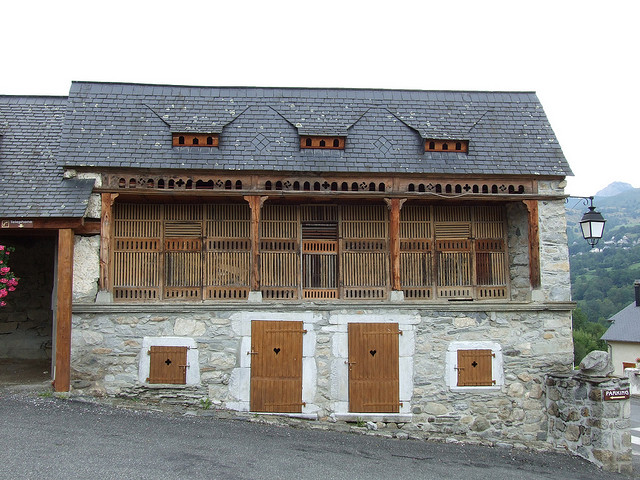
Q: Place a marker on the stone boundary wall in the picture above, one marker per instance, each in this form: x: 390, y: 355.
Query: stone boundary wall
x: 583, y: 423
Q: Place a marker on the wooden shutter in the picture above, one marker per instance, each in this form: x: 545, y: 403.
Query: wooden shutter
x: 374, y: 367
x: 168, y: 365
x: 279, y: 252
x: 137, y: 247
x: 364, y: 230
x: 227, y: 252
x: 474, y: 368
x: 276, y: 366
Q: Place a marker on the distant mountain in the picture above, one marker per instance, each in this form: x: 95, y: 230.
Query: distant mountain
x: 614, y: 189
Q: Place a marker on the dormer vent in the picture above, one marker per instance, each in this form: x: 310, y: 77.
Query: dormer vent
x: 195, y: 139
x: 453, y: 146
x: 322, y: 142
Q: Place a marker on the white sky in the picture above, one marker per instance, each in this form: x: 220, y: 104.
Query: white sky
x: 581, y: 57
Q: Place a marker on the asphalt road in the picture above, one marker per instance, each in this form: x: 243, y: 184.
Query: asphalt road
x: 43, y: 438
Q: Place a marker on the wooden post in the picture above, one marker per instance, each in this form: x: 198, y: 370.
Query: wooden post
x: 64, y: 273
x: 106, y: 219
x: 395, y: 204
x: 534, y: 243
x: 255, y: 204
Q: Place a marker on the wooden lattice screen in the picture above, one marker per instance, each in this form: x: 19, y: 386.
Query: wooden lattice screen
x: 227, y: 252
x: 319, y: 251
x: 182, y: 252
x: 280, y: 252
x: 454, y: 252
x: 364, y: 252
x: 137, y: 252
x: 416, y: 252
x: 203, y: 252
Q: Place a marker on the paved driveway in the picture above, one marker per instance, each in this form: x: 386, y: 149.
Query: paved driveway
x: 42, y: 437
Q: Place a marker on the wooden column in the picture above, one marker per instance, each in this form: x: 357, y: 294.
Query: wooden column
x: 395, y: 204
x: 106, y: 220
x: 534, y: 243
x: 64, y: 289
x: 255, y: 203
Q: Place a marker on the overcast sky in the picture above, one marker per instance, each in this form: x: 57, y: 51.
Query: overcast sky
x: 581, y: 57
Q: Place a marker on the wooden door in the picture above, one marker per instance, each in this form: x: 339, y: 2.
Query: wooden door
x: 374, y: 367
x: 276, y: 366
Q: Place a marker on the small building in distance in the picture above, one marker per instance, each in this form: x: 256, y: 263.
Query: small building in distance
x: 623, y: 336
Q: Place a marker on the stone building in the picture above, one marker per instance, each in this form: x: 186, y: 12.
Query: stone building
x: 362, y: 254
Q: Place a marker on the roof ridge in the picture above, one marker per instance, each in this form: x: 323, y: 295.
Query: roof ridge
x: 257, y: 87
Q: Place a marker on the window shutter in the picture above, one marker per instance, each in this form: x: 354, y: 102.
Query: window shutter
x: 168, y: 365
x: 474, y: 368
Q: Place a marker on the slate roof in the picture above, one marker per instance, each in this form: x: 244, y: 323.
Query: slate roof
x: 31, y: 183
x: 130, y: 125
x: 625, y: 326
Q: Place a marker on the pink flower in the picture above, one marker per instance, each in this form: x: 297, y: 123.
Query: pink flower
x: 2, y: 304
x: 12, y: 282
x: 4, y: 270
x: 1, y: 248
x: 3, y: 293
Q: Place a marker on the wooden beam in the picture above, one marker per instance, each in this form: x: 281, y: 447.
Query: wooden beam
x: 255, y: 204
x: 64, y: 287
x: 534, y: 243
x: 395, y: 204
x: 106, y: 220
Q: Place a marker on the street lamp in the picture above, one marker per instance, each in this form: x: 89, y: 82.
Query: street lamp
x: 592, y: 224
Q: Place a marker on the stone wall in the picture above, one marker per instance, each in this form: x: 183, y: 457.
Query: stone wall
x: 27, y: 319
x: 107, y: 350
x: 582, y: 422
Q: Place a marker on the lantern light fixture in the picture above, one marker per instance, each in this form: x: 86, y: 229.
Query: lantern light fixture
x: 592, y: 224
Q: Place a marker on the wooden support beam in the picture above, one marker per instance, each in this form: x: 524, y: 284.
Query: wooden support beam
x: 106, y: 220
x: 255, y: 204
x: 395, y: 204
x: 534, y: 243
x: 64, y: 282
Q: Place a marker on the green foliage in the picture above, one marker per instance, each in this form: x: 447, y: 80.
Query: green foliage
x: 586, y: 336
x: 602, y: 280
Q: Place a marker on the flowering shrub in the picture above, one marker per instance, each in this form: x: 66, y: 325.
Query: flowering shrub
x: 8, y: 281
